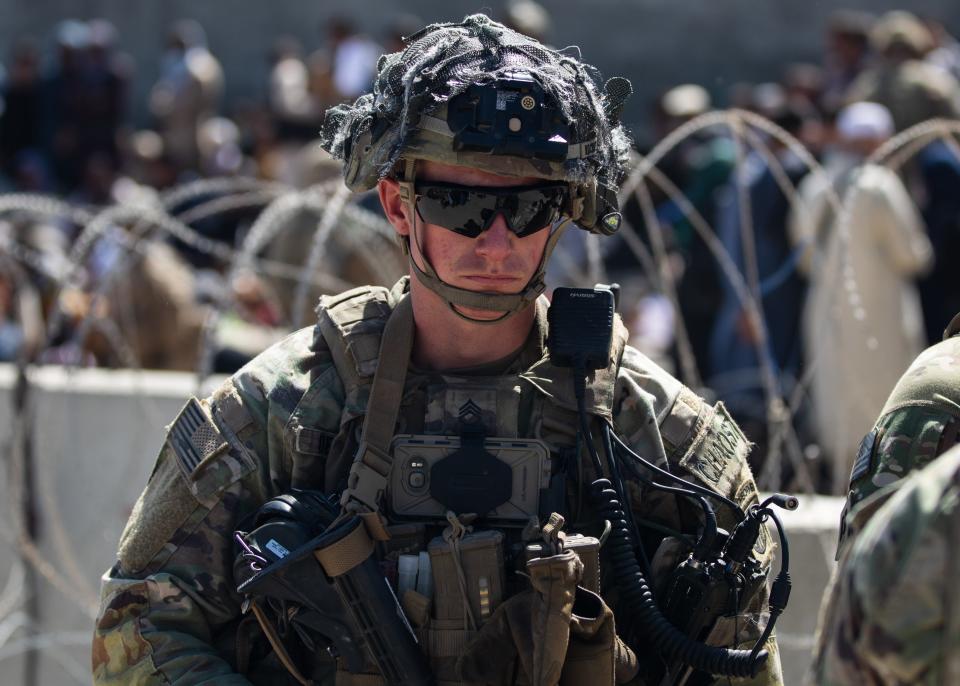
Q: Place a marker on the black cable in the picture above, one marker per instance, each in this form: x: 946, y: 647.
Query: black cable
x: 780, y: 590
x: 622, y: 488
x: 579, y: 390
x: 635, y: 592
x: 637, y: 597
x: 706, y: 539
x: 676, y: 479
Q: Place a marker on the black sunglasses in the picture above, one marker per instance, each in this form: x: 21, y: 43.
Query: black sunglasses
x: 469, y: 211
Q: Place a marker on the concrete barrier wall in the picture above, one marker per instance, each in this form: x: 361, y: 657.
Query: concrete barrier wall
x: 95, y: 437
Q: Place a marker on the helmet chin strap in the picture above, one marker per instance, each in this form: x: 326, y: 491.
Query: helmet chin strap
x: 507, y: 303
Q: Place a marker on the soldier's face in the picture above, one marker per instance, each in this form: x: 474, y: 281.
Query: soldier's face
x: 497, y: 260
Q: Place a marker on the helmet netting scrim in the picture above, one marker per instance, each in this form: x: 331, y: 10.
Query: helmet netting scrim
x: 441, y: 62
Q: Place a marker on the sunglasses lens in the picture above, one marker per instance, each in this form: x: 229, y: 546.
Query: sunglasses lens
x: 469, y: 212
x: 535, y: 210
x: 456, y: 208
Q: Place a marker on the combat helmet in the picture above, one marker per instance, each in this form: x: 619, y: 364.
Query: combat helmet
x: 478, y: 94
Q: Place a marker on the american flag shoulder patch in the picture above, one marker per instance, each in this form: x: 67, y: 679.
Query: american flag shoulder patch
x: 194, y: 437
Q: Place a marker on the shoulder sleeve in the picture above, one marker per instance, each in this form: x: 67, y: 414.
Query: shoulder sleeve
x: 657, y: 413
x: 171, y: 593
x: 644, y: 396
x: 700, y: 443
x: 903, y: 441
x: 890, y: 610
x: 169, y: 605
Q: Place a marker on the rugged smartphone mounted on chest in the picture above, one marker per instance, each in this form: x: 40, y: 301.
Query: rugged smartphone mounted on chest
x: 499, y: 479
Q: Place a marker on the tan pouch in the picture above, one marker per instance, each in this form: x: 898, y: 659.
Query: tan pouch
x: 532, y: 628
x: 595, y: 654
x: 481, y: 560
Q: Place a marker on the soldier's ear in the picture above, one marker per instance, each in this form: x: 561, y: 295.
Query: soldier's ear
x: 393, y: 205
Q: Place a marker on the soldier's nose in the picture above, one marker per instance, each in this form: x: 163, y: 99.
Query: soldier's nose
x: 497, y: 241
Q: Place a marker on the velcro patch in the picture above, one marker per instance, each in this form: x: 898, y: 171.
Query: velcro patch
x: 864, y: 457
x: 717, y: 456
x: 312, y: 441
x: 194, y: 437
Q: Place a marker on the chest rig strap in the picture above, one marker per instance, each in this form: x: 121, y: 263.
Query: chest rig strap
x: 371, y: 466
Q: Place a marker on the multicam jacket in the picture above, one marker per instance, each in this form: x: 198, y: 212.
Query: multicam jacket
x: 920, y: 420
x: 169, y: 610
x: 894, y: 608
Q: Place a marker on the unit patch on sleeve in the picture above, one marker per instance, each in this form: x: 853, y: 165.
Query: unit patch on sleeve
x: 194, y: 437
x: 864, y: 457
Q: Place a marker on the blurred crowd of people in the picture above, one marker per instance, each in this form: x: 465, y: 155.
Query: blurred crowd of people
x: 852, y: 270
x: 847, y: 295
x: 66, y: 131
x: 65, y: 125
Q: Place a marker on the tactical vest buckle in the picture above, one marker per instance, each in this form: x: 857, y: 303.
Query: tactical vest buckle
x: 367, y: 481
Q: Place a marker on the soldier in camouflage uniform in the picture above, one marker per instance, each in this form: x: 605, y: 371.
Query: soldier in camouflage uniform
x: 920, y: 420
x: 894, y: 609
x: 298, y: 416
x: 891, y: 542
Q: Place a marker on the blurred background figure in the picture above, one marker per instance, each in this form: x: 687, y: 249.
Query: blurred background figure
x: 345, y: 65
x: 938, y: 167
x: 294, y: 111
x: 738, y: 353
x: 700, y: 166
x: 529, y: 18
x: 21, y: 122
x: 912, y: 89
x: 187, y: 93
x: 107, y: 85
x: 846, y: 53
x: 64, y: 107
x: 294, y: 108
x: 21, y: 321
x: 862, y: 324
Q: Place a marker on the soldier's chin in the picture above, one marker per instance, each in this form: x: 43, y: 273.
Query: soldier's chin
x: 481, y: 315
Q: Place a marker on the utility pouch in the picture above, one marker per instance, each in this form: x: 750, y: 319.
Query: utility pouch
x: 470, y: 572
x: 587, y: 549
x: 595, y: 654
x: 529, y: 633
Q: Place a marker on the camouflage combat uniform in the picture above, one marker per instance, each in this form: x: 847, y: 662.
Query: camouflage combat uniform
x: 895, y: 610
x: 919, y: 422
x: 921, y: 419
x: 169, y: 610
